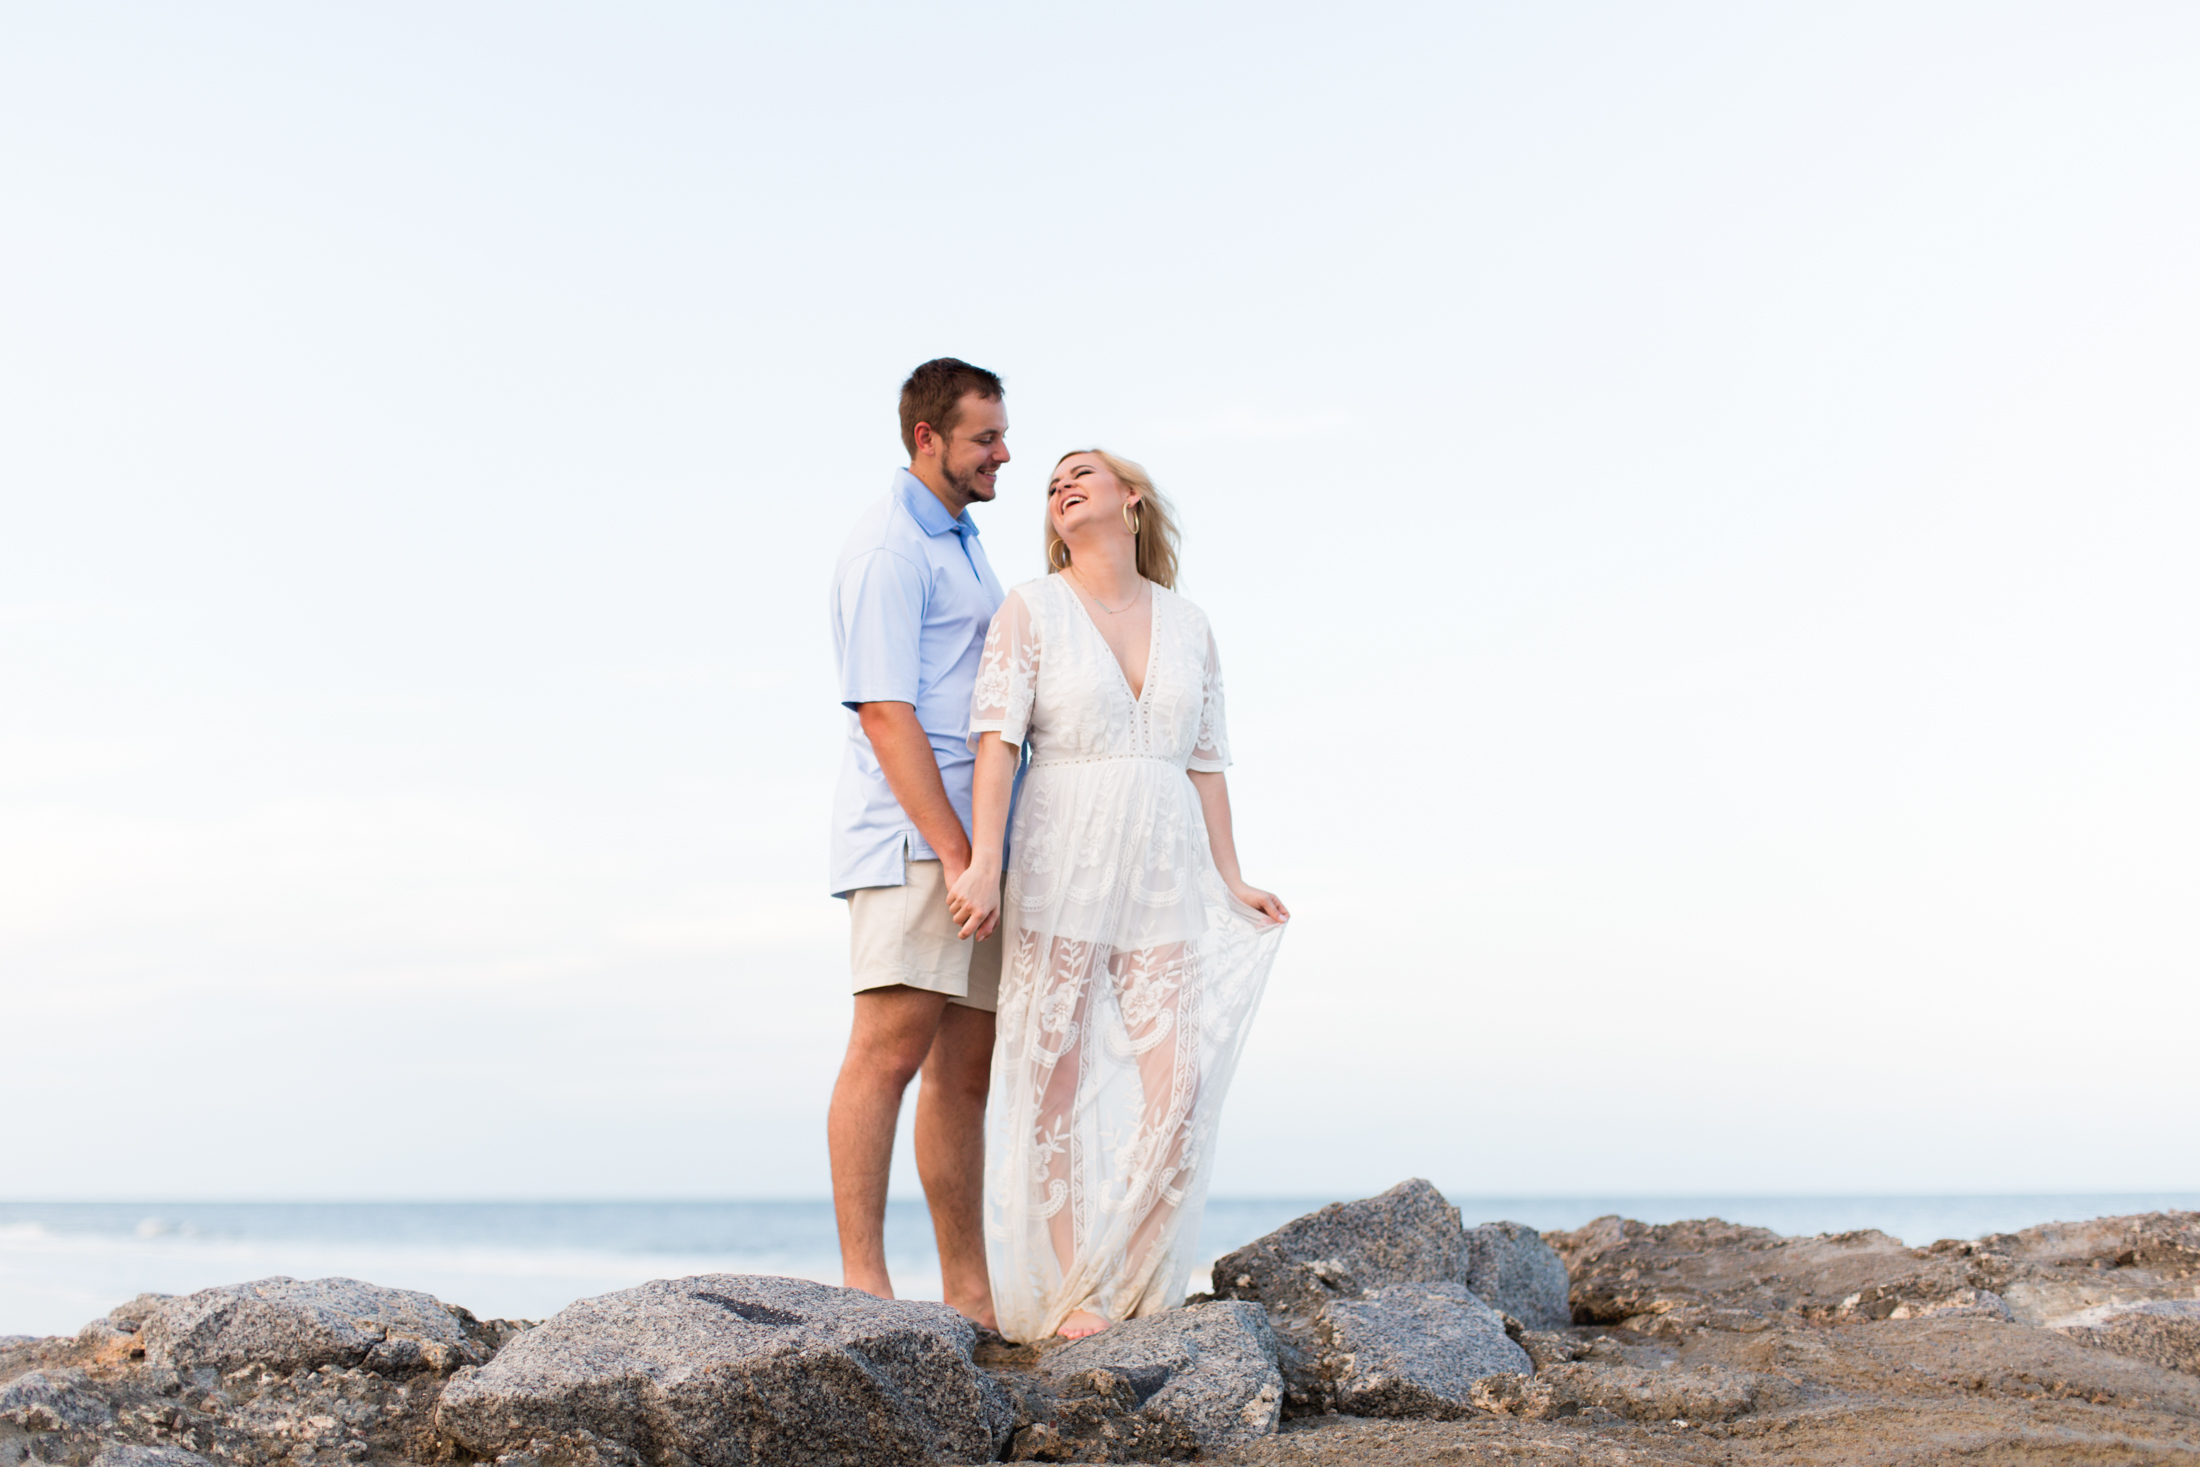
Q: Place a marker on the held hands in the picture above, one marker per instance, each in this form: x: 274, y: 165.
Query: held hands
x: 974, y: 899
x: 1267, y: 903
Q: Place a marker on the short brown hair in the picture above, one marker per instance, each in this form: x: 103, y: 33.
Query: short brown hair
x: 934, y: 393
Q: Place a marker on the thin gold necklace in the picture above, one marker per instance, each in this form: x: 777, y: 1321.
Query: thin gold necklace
x: 1110, y: 610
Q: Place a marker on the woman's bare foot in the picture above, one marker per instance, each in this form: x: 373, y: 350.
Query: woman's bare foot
x: 1081, y: 1323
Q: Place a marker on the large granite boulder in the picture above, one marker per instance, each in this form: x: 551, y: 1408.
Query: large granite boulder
x: 1408, y: 1235
x: 1412, y: 1350
x: 287, y: 1324
x: 1348, y: 1250
x: 1511, y: 1268
x: 727, y: 1370
x: 1207, y: 1370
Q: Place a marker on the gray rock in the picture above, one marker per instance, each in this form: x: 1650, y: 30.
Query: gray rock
x: 288, y: 1324
x: 1510, y: 1267
x: 122, y: 1455
x: 727, y: 1370
x: 132, y: 1315
x: 47, y: 1400
x: 1208, y: 1369
x: 9, y: 1342
x: 2164, y: 1332
x: 1413, y: 1350
x: 1408, y: 1235
x: 1094, y: 1416
x: 104, y: 1331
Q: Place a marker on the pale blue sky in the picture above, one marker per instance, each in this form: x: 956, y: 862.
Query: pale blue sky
x: 1698, y: 503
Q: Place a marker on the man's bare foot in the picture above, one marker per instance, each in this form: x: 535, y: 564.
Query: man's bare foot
x: 1081, y: 1322
x: 869, y: 1283
x: 982, y: 1316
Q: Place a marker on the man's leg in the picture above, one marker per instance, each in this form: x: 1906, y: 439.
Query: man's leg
x: 951, y: 1154
x: 893, y: 1032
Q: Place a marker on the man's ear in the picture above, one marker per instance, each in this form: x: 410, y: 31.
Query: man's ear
x: 928, y: 439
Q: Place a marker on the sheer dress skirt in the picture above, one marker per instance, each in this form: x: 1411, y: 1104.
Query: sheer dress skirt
x: 1131, y: 978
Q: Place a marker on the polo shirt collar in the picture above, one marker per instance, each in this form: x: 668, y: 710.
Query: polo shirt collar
x: 925, y: 508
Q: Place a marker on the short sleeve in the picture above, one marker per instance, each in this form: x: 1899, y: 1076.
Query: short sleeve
x: 1211, y: 754
x: 1000, y: 702
x: 880, y: 603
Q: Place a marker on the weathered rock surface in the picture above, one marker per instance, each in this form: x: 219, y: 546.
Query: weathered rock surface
x: 47, y: 1400
x: 2164, y: 1332
x: 1208, y: 1370
x: 1708, y: 1393
x: 1672, y: 1278
x: 726, y: 1370
x: 1510, y: 1267
x: 288, y: 1324
x: 131, y: 1456
x: 1412, y: 1350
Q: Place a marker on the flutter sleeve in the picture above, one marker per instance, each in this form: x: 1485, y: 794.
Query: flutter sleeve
x: 1007, y: 675
x: 1211, y: 754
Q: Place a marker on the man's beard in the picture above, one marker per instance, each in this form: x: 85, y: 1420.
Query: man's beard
x: 973, y: 489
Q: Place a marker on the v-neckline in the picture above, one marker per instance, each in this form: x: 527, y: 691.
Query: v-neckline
x: 1153, y: 642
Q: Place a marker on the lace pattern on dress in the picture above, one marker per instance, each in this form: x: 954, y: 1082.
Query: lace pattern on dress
x: 1132, y: 974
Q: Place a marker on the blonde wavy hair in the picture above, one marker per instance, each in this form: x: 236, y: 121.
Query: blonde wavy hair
x: 1156, y: 525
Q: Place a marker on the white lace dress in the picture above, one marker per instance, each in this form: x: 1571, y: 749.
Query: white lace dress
x: 1132, y: 973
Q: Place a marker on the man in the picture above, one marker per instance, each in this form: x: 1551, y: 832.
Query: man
x: 912, y: 598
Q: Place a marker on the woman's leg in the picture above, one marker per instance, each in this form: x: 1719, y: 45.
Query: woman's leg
x: 1147, y: 990
x: 1152, y: 989
x: 1058, y: 1075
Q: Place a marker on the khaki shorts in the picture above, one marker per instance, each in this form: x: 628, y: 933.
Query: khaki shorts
x: 903, y: 934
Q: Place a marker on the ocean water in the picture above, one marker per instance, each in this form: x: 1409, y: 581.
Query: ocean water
x: 63, y: 1263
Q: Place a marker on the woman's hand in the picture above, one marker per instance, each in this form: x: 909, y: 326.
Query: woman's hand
x: 974, y: 901
x: 1265, y: 902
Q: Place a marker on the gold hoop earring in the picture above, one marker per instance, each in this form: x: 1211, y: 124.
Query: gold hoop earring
x: 1130, y: 519
x: 1063, y: 563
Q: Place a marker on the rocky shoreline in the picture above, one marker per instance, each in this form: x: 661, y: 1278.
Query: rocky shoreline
x: 1377, y: 1331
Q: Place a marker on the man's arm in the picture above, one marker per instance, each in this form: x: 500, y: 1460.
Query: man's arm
x: 913, y: 774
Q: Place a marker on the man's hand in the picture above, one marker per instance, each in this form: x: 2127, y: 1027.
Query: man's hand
x: 974, y: 899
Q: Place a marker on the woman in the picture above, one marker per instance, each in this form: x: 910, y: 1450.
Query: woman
x: 1136, y: 951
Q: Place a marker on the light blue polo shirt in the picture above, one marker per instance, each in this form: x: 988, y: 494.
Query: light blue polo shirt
x: 912, y: 599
